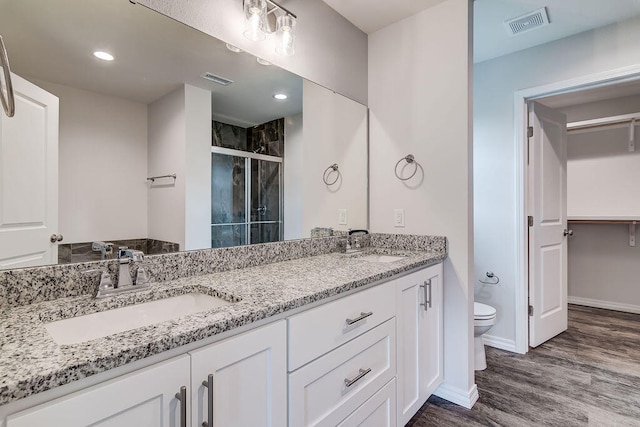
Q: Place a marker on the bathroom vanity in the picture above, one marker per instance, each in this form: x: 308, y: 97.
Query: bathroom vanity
x: 328, y: 339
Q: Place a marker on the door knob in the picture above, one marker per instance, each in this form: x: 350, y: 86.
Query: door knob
x: 56, y: 238
x: 568, y: 232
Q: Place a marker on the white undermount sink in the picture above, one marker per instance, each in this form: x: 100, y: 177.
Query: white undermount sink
x: 381, y: 258
x: 98, y: 325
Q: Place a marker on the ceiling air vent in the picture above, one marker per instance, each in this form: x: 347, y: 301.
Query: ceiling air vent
x: 530, y: 21
x: 220, y: 80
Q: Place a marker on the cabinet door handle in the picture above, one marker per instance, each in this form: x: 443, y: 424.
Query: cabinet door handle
x: 427, y: 294
x: 208, y: 383
x: 363, y: 315
x: 182, y: 397
x: 349, y: 382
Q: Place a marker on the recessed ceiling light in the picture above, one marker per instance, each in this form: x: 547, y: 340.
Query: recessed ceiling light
x: 233, y: 48
x: 263, y: 61
x: 280, y: 96
x: 103, y: 55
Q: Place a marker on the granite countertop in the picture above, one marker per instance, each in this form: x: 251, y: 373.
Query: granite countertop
x: 31, y: 362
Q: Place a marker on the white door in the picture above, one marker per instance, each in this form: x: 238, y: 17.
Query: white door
x: 145, y: 398
x: 29, y: 178
x: 548, y: 207
x: 248, y: 379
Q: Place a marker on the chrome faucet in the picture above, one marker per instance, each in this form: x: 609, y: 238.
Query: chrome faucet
x: 356, y: 243
x: 105, y: 248
x: 126, y: 257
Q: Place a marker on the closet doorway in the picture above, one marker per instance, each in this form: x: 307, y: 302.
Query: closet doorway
x: 589, y: 89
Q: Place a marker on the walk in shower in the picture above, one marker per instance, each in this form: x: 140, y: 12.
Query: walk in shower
x: 246, y: 190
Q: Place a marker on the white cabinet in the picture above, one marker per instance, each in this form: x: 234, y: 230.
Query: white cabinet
x: 420, y: 339
x: 145, y: 398
x: 248, y: 379
x: 317, y: 331
x: 327, y: 390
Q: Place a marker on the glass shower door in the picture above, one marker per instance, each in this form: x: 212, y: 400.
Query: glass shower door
x: 228, y: 201
x: 266, y: 222
x: 246, y: 198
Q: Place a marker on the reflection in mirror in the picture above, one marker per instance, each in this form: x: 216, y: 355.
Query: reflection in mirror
x: 89, y: 133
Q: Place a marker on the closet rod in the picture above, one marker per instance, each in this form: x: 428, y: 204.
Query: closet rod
x: 604, y: 122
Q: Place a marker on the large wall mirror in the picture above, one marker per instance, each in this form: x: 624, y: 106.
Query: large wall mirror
x: 178, y: 143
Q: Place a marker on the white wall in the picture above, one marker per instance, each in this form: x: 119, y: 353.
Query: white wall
x: 602, y: 175
x: 293, y: 170
x: 334, y: 130
x: 102, y: 166
x: 197, y: 170
x: 419, y: 100
x: 329, y: 49
x: 180, y: 143
x: 495, y: 82
x: 603, y: 268
x: 167, y: 155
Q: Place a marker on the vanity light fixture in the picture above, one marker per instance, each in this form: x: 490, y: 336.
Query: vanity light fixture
x: 264, y: 17
x: 280, y: 96
x: 233, y: 48
x: 105, y: 56
x: 263, y: 61
x: 255, y: 14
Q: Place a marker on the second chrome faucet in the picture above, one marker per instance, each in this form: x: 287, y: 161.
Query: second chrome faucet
x: 125, y: 283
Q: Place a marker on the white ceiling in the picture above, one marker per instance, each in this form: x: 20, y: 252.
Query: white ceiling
x: 54, y: 40
x: 372, y: 15
x: 568, y: 17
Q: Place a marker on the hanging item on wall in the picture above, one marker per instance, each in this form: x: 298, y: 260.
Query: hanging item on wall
x: 264, y: 17
x: 331, y: 170
x: 410, y: 160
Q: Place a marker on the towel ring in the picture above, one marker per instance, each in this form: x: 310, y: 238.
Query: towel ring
x: 327, y: 174
x: 409, y: 159
x: 494, y: 279
x: 9, y: 103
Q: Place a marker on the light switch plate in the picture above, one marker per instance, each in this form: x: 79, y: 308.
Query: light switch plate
x: 342, y: 216
x: 398, y: 217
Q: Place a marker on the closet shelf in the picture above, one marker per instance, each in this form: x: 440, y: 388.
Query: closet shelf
x: 603, y: 220
x: 630, y: 221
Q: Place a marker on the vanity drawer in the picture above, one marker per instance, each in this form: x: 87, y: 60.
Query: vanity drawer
x: 379, y: 411
x: 318, y: 392
x: 320, y: 330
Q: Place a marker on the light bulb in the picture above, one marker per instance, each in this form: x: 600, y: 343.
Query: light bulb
x: 254, y: 14
x: 285, y: 33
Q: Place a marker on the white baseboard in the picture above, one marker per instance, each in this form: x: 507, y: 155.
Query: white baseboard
x: 501, y: 343
x: 457, y: 395
x: 609, y: 305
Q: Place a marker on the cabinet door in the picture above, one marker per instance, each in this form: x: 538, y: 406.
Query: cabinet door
x: 249, y: 379
x: 420, y: 346
x: 145, y: 398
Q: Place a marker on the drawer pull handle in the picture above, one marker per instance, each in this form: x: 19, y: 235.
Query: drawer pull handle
x: 208, y: 383
x: 349, y: 382
x: 363, y: 315
x: 427, y: 294
x: 182, y: 397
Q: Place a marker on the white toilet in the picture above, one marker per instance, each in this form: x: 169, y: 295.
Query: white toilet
x: 484, y: 317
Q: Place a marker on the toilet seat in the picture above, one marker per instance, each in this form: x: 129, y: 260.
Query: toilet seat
x: 483, y: 311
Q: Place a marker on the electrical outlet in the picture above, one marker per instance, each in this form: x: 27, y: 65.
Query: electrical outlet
x: 398, y: 217
x: 342, y: 216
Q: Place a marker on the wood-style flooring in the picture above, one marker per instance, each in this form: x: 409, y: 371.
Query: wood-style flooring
x: 587, y: 376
